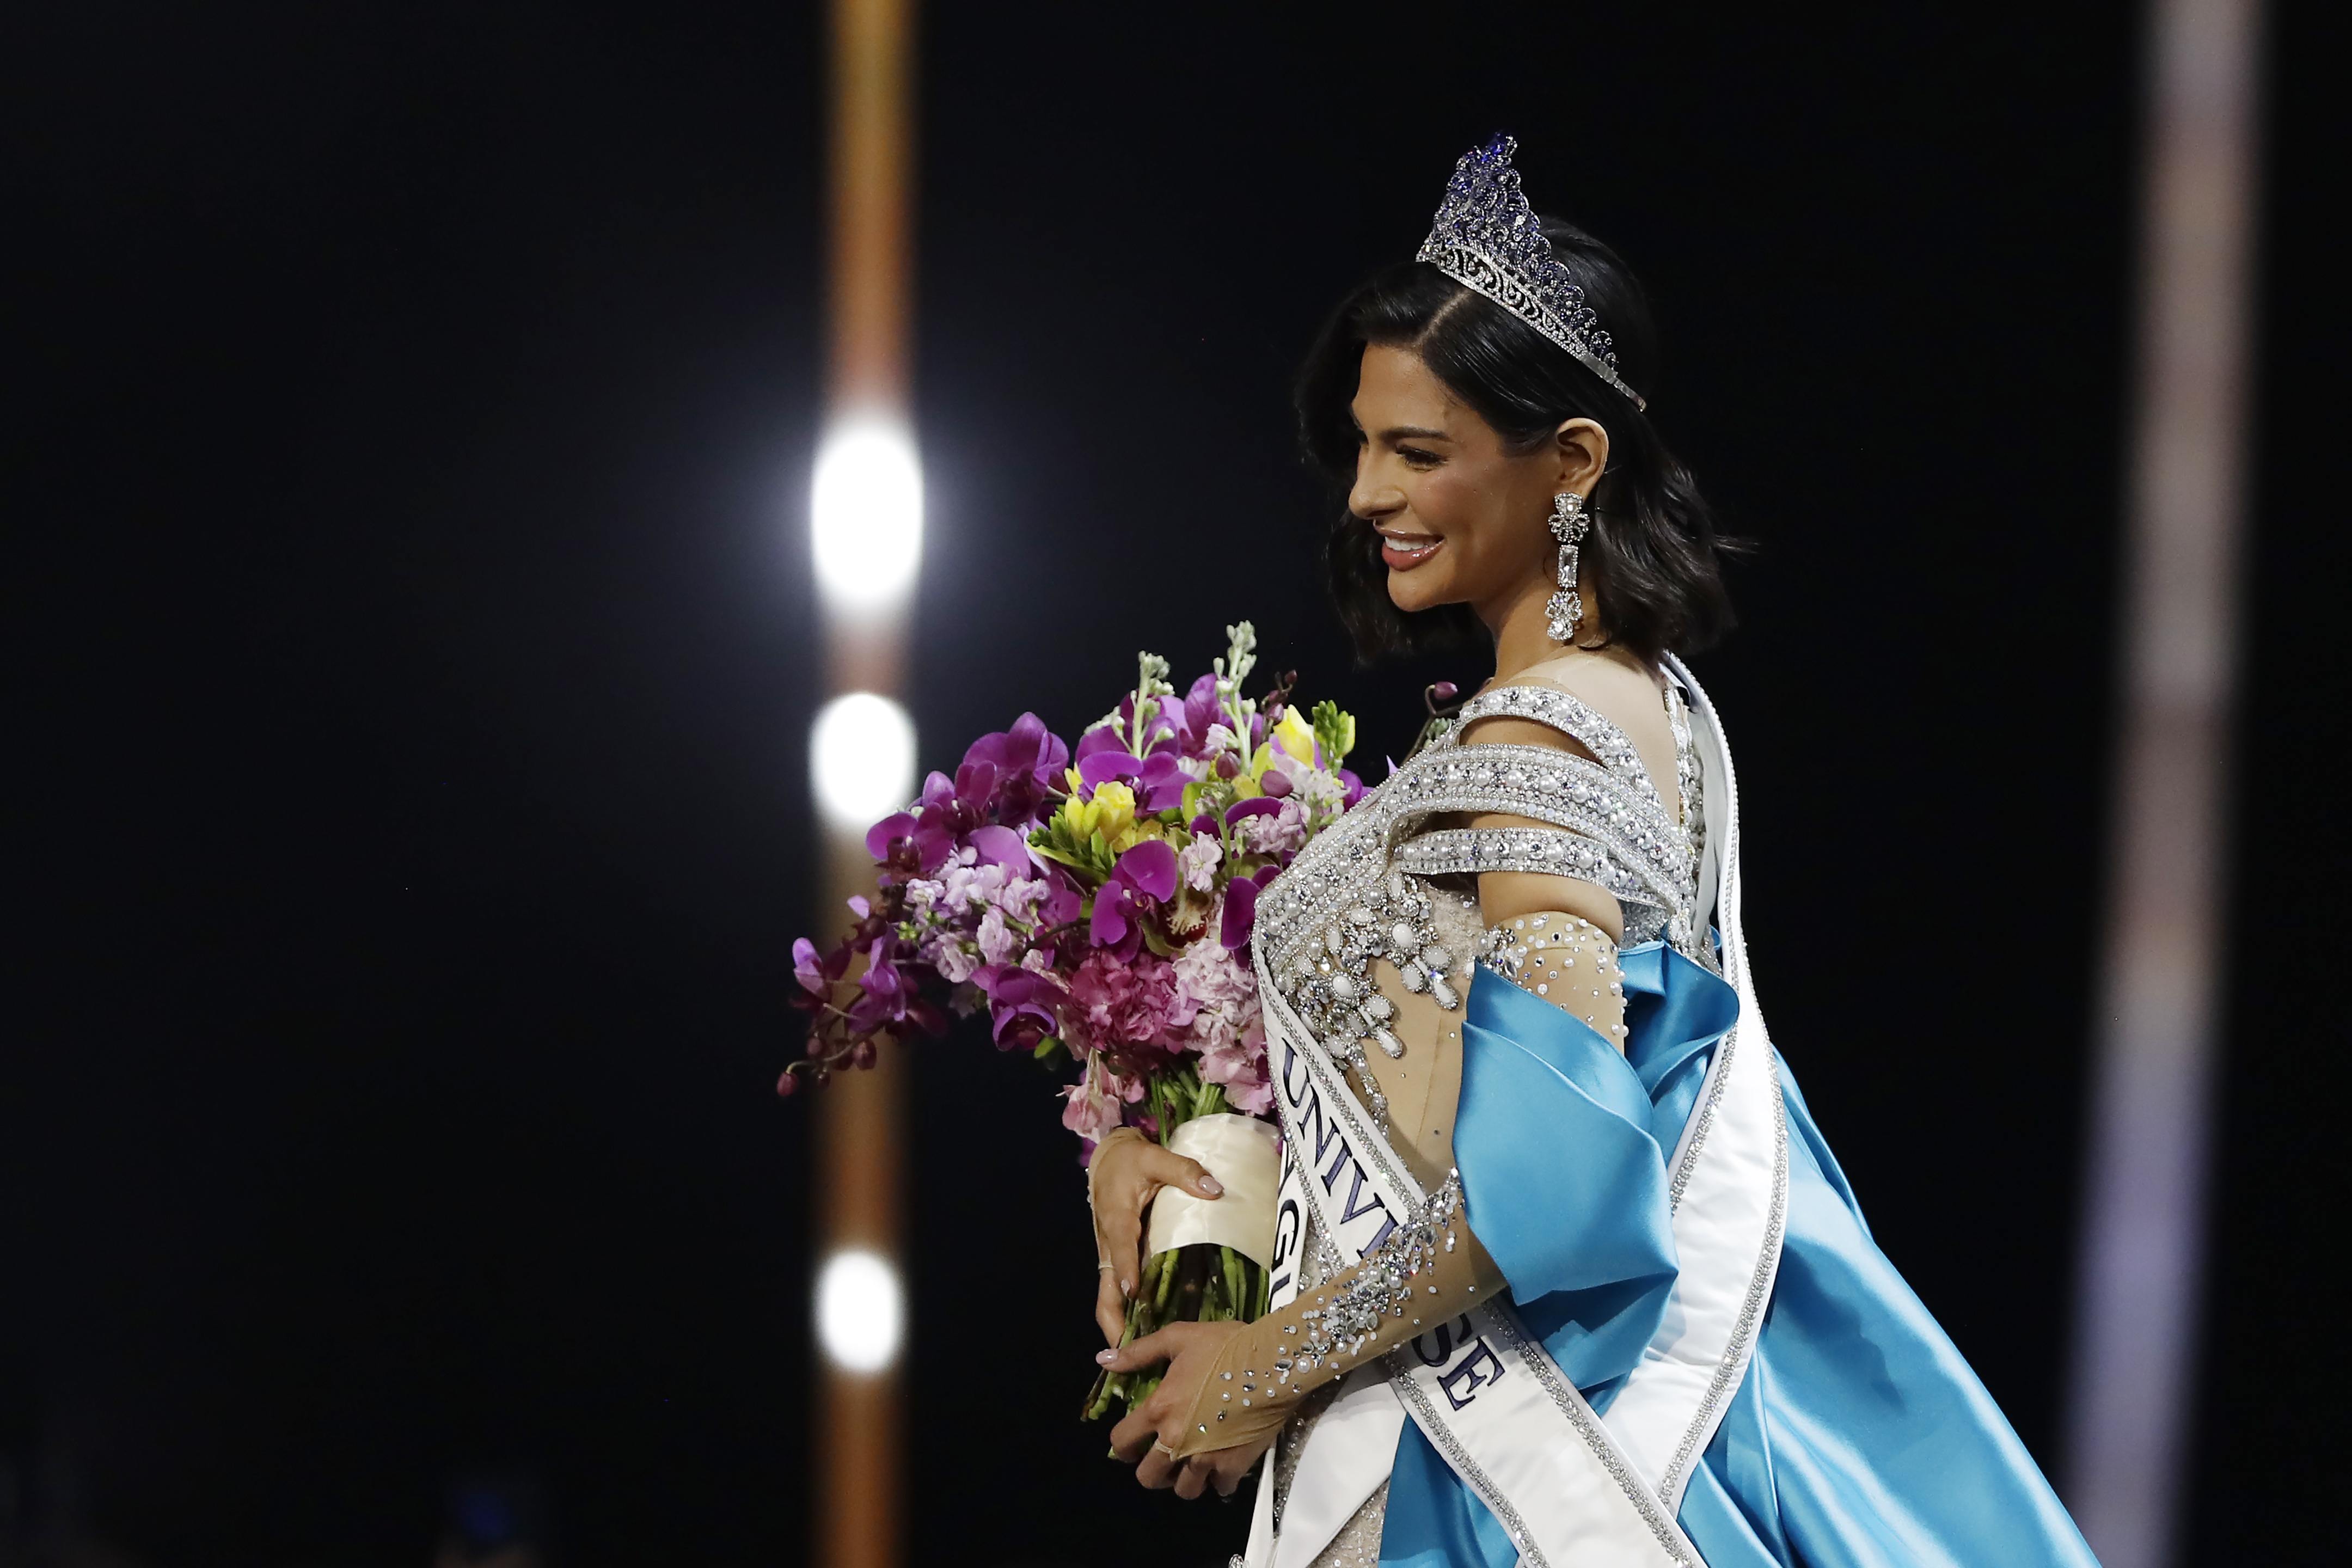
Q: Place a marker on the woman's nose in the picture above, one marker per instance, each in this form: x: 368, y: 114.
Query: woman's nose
x: 1372, y: 498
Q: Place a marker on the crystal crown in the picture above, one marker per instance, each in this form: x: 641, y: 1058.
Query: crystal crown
x: 1487, y: 239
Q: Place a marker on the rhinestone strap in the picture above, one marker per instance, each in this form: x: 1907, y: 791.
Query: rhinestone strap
x: 1688, y: 776
x: 1572, y: 717
x: 1567, y: 792
x: 1546, y: 852
x: 1612, y: 801
x: 1563, y: 790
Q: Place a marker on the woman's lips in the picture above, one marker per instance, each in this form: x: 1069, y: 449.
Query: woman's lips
x: 1404, y: 552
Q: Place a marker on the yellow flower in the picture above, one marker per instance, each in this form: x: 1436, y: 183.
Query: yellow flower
x: 1111, y: 812
x: 1296, y: 735
x: 1135, y: 833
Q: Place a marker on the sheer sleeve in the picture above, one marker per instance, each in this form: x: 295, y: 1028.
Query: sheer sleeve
x: 1427, y: 1272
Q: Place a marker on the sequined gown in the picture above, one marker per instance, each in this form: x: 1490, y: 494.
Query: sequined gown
x: 1858, y: 1435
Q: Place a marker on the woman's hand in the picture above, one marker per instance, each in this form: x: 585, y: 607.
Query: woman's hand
x: 1148, y: 1433
x: 1125, y: 1172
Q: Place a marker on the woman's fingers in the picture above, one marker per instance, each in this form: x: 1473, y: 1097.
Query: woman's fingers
x: 1120, y: 1231
x: 1110, y: 1308
x: 1168, y: 1170
x: 1137, y: 1431
x: 1228, y: 1466
x: 1192, y: 1479
x: 1157, y: 1471
x: 1150, y: 1349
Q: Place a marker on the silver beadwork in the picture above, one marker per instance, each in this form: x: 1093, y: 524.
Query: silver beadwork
x: 1381, y: 1282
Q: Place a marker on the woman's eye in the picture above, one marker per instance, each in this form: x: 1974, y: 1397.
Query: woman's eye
x: 1417, y: 457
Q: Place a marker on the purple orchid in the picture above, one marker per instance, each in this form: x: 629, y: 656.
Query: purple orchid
x: 1026, y: 761
x: 1001, y: 787
x: 1158, y: 778
x: 816, y: 973
x: 1002, y: 847
x: 882, y: 991
x: 1145, y: 877
x: 1021, y: 1005
x: 1240, y: 914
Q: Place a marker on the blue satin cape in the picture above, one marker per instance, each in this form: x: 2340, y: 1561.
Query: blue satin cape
x: 1858, y: 1439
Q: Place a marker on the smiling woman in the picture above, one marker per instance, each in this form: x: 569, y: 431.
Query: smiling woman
x: 1570, y: 1274
x: 1460, y: 381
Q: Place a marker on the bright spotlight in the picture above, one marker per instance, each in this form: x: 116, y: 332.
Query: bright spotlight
x: 866, y: 515
x: 860, y: 1311
x: 862, y: 757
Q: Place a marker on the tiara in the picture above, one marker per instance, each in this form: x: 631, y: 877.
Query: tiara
x: 1487, y: 239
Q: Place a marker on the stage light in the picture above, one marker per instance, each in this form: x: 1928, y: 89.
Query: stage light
x: 860, y: 1311
x: 862, y: 759
x: 865, y: 512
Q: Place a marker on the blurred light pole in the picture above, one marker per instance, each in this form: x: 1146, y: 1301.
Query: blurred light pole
x: 2142, y: 1251
x: 865, y: 532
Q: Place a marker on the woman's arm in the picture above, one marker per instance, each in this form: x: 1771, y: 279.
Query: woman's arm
x: 1227, y: 1392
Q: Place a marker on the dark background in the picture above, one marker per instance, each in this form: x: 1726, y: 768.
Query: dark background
x: 410, y: 645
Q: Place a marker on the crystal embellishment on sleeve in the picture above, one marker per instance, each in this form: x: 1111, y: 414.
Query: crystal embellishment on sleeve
x: 1382, y: 1285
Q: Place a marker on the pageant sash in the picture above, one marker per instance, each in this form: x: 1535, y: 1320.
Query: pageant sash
x: 1487, y: 1396
x: 1728, y: 1182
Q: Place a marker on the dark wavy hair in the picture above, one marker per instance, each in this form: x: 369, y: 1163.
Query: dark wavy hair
x: 1654, y: 552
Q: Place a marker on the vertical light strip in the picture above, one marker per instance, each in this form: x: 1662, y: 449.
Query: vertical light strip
x: 2138, y: 1289
x: 865, y: 533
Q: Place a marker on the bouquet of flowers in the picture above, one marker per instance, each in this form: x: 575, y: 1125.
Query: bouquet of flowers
x: 1098, y: 908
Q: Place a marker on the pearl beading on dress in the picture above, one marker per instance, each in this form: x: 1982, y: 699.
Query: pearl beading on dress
x: 1330, y: 981
x: 1546, y: 852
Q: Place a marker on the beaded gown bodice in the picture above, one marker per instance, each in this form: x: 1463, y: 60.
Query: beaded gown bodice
x: 1389, y: 881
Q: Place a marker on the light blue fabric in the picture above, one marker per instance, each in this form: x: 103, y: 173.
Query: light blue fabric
x: 1858, y: 1439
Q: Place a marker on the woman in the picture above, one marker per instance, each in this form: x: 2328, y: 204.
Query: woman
x: 1564, y: 1270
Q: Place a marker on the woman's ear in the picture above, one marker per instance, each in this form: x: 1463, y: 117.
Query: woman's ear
x: 1583, y: 448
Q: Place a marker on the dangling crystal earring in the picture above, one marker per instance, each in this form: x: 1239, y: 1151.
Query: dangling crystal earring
x: 1565, y: 609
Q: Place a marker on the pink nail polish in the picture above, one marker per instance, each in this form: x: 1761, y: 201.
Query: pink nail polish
x: 1211, y: 1186
x: 1104, y: 1358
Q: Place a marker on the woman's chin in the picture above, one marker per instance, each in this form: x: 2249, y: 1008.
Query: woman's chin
x: 1416, y: 590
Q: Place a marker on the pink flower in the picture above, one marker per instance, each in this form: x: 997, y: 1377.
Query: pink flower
x: 1114, y: 1003
x: 998, y: 944
x: 1197, y: 861
x: 1093, y: 1107
x: 1241, y: 1067
x: 1213, y: 976
x: 1280, y: 832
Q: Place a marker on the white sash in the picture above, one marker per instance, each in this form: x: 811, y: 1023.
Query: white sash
x: 1729, y: 1184
x: 1568, y: 1486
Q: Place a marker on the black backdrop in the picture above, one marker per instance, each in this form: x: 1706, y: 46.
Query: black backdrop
x: 410, y: 645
